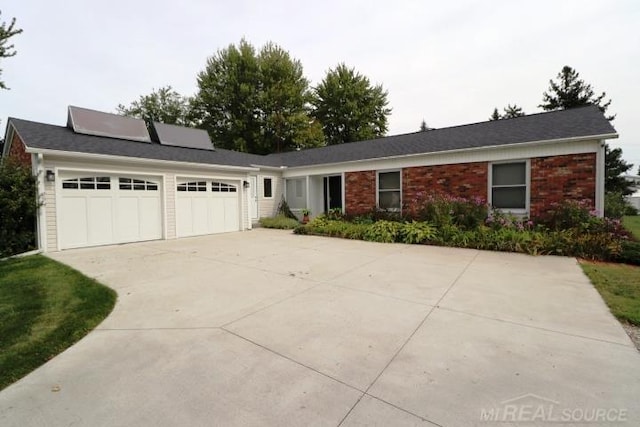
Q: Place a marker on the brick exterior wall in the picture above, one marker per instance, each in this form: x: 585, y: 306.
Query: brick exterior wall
x: 558, y: 178
x: 17, y: 151
x: 360, y: 192
x: 460, y: 180
x: 463, y: 180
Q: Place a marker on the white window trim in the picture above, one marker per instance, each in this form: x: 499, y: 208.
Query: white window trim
x: 527, y: 180
x: 378, y: 172
x: 272, y: 187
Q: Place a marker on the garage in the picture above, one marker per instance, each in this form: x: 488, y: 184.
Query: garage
x: 101, y: 209
x: 206, y: 206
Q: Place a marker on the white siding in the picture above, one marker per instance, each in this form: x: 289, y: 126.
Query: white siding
x: 267, y: 207
x: 168, y: 176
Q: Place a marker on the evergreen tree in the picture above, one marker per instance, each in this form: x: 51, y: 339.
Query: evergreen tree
x: 511, y: 111
x: 615, y: 167
x: 495, y: 115
x: 424, y: 127
x: 569, y: 91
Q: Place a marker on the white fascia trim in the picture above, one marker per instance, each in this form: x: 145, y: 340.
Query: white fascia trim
x: 461, y: 150
x: 268, y: 168
x: 109, y: 157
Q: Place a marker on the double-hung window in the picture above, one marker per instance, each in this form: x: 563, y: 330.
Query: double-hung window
x: 509, y: 186
x: 389, y: 191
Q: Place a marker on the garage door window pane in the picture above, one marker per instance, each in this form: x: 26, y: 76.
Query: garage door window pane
x: 71, y: 184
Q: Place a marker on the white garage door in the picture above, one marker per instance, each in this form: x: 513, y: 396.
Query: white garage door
x: 103, y: 209
x: 206, y: 207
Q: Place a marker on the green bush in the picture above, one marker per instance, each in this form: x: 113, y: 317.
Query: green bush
x: 416, y: 232
x: 571, y: 229
x: 280, y: 221
x: 629, y: 253
x: 18, y: 209
x: 615, y: 206
x: 442, y: 210
x: 383, y: 231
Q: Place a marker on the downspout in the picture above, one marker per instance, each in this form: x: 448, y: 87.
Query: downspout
x: 600, y: 177
x: 37, y: 162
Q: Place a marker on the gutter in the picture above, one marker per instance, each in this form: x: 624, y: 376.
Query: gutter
x: 74, y: 154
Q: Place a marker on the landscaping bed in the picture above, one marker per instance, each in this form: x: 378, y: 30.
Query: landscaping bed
x: 568, y: 229
x: 45, y: 307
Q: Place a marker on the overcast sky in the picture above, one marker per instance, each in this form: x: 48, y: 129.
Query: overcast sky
x: 449, y: 62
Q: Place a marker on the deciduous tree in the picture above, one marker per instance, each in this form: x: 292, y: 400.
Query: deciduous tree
x: 256, y: 102
x: 349, y: 107
x: 164, y: 105
x: 6, y: 49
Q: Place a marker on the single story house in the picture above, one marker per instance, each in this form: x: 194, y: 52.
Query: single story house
x: 106, y: 179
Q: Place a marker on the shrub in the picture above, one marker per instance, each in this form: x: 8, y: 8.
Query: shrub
x: 416, y: 232
x: 279, y: 221
x: 629, y: 253
x: 615, y: 206
x: 383, y: 231
x: 442, y: 210
x: 18, y: 209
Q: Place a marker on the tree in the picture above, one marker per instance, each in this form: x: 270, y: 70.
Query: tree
x: 424, y: 127
x: 349, y: 108
x: 570, y: 92
x: 18, y: 208
x: 7, y: 50
x: 615, y: 167
x: 511, y: 111
x: 284, y: 103
x: 164, y: 105
x: 255, y: 102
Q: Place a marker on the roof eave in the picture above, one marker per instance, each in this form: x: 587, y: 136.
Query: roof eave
x: 486, y: 147
x: 75, y: 154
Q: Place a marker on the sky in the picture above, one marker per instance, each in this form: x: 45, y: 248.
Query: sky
x: 447, y: 62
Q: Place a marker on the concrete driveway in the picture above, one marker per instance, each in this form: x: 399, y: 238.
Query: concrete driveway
x: 268, y: 328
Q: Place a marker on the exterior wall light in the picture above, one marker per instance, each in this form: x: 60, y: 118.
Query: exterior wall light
x: 51, y: 176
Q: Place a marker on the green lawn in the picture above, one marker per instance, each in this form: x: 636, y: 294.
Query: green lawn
x: 619, y: 285
x: 632, y: 223
x: 45, y: 307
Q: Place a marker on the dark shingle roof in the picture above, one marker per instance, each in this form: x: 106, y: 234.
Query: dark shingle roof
x: 575, y: 123
x: 50, y: 137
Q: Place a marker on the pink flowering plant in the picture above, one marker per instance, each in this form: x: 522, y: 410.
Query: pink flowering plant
x: 443, y: 209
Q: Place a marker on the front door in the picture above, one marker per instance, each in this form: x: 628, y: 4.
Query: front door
x: 333, y: 192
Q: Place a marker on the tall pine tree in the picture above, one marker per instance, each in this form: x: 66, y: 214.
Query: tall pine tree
x: 569, y: 91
